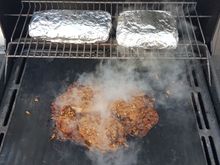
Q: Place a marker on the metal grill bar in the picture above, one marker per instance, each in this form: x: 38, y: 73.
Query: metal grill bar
x: 185, y: 12
x: 108, y: 2
x: 186, y: 16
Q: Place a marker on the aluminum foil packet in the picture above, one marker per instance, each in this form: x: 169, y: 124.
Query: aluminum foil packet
x: 148, y: 29
x: 71, y: 26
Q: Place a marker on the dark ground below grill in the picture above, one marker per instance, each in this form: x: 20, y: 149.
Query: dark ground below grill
x: 174, y: 141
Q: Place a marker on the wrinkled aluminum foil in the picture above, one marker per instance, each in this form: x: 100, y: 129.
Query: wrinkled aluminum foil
x: 148, y: 29
x: 71, y: 26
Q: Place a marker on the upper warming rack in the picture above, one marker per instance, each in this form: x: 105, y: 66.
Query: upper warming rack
x: 189, y: 47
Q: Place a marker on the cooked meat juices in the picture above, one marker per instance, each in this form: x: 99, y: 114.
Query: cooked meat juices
x: 76, y: 119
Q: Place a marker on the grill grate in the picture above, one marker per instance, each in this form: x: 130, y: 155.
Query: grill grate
x: 21, y: 45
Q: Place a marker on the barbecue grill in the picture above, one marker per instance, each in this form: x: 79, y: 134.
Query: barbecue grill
x: 33, y: 71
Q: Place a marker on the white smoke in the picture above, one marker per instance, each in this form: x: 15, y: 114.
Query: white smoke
x: 120, y: 79
x: 161, y: 79
x: 126, y: 156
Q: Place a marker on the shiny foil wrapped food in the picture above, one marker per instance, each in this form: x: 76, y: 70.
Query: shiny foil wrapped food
x: 148, y: 29
x: 71, y: 26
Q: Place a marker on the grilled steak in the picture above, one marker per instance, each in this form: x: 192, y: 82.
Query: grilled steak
x: 66, y: 122
x: 75, y: 118
x: 104, y: 134
x: 78, y: 97
x: 136, y: 115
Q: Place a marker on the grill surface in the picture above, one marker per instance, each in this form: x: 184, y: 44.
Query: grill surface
x: 21, y: 45
x: 187, y: 132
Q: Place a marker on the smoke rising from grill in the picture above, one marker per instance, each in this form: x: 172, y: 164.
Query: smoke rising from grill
x: 115, y: 80
x: 162, y: 80
x: 119, y: 79
x: 127, y: 156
